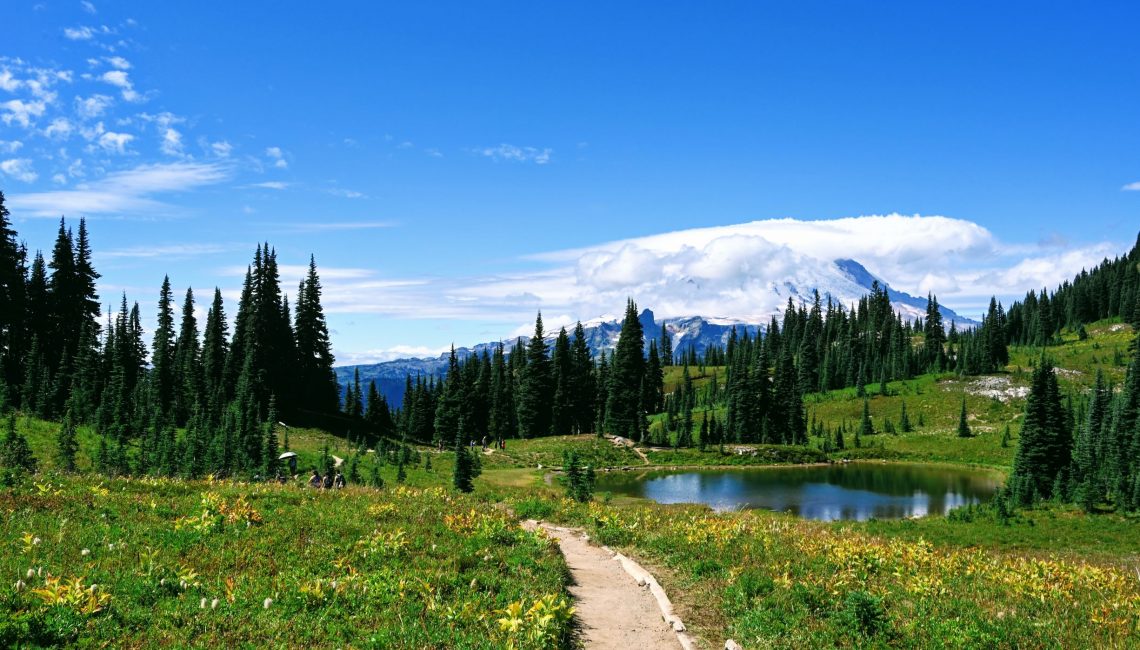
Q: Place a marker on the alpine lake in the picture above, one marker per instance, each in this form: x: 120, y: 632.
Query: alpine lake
x: 843, y: 491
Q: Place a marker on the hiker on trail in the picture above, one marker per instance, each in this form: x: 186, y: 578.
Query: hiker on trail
x: 328, y: 481
x: 315, y: 480
x: 484, y: 443
x: 279, y: 478
x: 338, y: 482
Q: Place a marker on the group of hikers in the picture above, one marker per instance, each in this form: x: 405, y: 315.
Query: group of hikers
x: 328, y: 482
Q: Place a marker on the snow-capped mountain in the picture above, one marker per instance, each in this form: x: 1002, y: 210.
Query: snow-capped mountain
x: 846, y: 282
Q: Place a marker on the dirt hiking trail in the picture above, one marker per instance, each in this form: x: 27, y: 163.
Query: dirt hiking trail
x: 612, y: 609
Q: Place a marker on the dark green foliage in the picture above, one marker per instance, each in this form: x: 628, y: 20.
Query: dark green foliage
x: 1045, y: 445
x: 318, y: 386
x: 624, y: 415
x: 535, y: 391
x: 463, y: 473
x: 66, y: 444
x: 904, y: 420
x: 866, y: 427
x: 16, y: 459
x: 963, y: 425
x: 578, y: 480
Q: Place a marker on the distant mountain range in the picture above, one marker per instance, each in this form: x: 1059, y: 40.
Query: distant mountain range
x: 850, y: 281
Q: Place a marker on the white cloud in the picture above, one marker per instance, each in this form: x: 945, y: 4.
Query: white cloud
x: 510, y: 152
x: 347, y: 194
x: 10, y: 146
x: 745, y: 271
x: 390, y: 354
x: 277, y: 157
x: 221, y: 149
x: 87, y: 6
x: 167, y: 251
x: 130, y: 191
x: 93, y: 106
x: 113, y: 142
x: 121, y: 80
x: 21, y: 112
x: 334, y: 226
x: 271, y: 185
x: 171, y: 142
x: 82, y: 33
x: 8, y: 81
x: 20, y: 169
x: 1132, y: 187
x: 118, y: 62
x: 60, y: 127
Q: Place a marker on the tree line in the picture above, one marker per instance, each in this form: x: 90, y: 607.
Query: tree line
x: 57, y: 361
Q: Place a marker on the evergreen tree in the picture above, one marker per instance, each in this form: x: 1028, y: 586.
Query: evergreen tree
x: 562, y: 364
x: 269, y: 455
x: 904, y: 420
x: 461, y: 477
x: 535, y: 392
x: 16, y: 457
x: 13, y: 301
x: 626, y: 374
x: 578, y: 480
x: 866, y: 428
x: 666, y: 347
x: 314, y: 349
x: 1045, y: 444
x: 66, y: 444
x: 162, y: 375
x: 449, y: 411
x: 584, y: 385
x: 963, y: 426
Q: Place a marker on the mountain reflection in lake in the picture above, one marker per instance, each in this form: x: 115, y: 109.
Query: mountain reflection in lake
x: 855, y: 491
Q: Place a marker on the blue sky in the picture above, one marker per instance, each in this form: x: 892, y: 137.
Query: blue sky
x: 454, y: 166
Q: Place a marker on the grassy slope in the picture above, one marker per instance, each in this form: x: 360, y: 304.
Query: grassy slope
x: 765, y: 578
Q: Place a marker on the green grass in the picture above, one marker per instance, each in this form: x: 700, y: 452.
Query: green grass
x: 547, y: 452
x: 420, y: 566
x: 769, y: 580
x: 163, y: 563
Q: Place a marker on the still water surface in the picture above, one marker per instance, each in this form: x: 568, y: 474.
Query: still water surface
x: 855, y: 491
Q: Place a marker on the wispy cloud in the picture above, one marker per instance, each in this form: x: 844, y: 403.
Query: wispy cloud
x: 744, y: 271
x: 121, y: 80
x: 270, y: 185
x: 10, y: 146
x: 93, y: 106
x: 512, y: 153
x: 88, y: 6
x: 378, y: 355
x: 168, y: 251
x: 276, y: 157
x: 1132, y: 187
x: 22, y: 113
x: 129, y: 192
x: 20, y: 169
x: 334, y: 226
x: 346, y: 194
x: 113, y: 142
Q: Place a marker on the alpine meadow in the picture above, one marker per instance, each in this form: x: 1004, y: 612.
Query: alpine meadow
x: 547, y: 327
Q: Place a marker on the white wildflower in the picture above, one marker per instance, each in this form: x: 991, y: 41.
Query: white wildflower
x: 202, y: 604
x: 85, y: 552
x: 214, y: 604
x: 267, y: 603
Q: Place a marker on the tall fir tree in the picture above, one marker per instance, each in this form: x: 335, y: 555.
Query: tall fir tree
x: 626, y: 374
x: 535, y: 391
